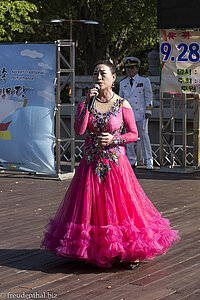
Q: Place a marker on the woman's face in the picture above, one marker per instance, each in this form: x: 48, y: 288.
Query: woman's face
x: 103, y: 76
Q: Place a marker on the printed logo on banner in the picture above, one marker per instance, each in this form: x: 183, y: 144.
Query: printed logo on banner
x: 179, y: 55
x: 7, y: 105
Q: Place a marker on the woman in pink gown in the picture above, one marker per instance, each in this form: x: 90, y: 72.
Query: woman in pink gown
x: 105, y: 215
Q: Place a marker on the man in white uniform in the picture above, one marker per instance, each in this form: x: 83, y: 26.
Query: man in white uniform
x: 137, y: 90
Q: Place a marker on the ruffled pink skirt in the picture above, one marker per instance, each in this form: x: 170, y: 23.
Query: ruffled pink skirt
x: 99, y: 222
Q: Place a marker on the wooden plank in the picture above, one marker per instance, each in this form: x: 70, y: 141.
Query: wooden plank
x: 98, y: 286
x: 26, y: 268
x: 185, y: 293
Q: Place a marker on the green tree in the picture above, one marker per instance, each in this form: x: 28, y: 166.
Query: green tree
x: 16, y: 17
x: 126, y: 27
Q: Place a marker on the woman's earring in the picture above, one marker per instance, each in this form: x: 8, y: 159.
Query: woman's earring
x: 113, y: 86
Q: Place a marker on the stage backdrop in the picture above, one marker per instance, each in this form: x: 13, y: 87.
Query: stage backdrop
x: 180, y: 56
x: 27, y: 104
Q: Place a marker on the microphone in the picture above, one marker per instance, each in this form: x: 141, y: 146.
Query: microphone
x: 91, y: 103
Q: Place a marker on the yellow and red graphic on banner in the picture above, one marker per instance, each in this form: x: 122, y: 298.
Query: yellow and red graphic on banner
x: 4, y: 132
x: 7, y: 107
x: 179, y: 58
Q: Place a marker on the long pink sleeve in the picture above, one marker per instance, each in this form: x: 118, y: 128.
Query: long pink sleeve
x: 81, y: 122
x: 131, y: 134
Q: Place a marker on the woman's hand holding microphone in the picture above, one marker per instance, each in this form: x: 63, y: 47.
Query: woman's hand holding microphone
x: 105, y: 139
x: 91, y: 96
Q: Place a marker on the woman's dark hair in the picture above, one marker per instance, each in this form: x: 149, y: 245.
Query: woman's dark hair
x: 107, y: 63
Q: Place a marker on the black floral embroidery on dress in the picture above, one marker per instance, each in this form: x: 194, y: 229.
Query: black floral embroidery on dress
x: 93, y: 152
x: 117, y: 140
x: 101, y: 170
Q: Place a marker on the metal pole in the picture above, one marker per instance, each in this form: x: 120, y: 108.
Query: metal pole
x: 161, y: 130
x: 197, y: 132
x: 184, y: 130
x: 172, y: 127
x: 72, y: 63
x: 70, y: 38
x: 198, y: 162
x: 70, y: 34
x: 58, y: 109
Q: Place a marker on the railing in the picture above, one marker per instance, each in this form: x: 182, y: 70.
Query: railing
x: 79, y: 148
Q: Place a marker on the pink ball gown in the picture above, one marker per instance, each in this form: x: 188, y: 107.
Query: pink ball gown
x: 105, y: 215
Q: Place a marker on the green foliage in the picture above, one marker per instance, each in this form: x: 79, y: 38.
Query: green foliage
x: 16, y: 17
x: 126, y: 27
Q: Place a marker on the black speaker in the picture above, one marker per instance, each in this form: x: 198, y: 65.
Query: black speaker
x: 178, y: 14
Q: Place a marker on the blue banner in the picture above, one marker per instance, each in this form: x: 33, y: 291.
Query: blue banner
x: 27, y: 106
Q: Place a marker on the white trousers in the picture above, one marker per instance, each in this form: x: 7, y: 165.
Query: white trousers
x: 145, y: 143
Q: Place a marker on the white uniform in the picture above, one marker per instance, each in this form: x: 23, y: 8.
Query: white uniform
x: 140, y: 97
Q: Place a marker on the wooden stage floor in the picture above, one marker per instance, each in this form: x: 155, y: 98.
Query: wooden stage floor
x: 27, y: 272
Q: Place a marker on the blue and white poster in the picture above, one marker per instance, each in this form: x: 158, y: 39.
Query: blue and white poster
x: 27, y: 106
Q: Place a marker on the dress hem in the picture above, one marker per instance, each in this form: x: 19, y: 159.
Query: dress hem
x: 102, y: 245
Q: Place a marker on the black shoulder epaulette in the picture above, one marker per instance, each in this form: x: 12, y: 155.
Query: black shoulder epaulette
x: 123, y: 78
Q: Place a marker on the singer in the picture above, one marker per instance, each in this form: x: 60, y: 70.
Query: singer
x: 105, y: 215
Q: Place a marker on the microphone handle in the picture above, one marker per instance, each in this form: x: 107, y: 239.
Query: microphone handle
x: 91, y: 103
